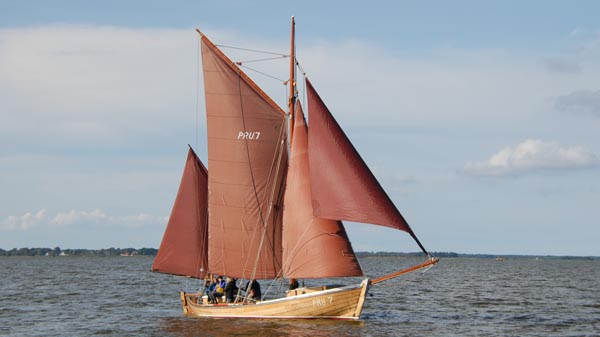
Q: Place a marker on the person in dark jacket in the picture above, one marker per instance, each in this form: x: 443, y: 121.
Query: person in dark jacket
x: 255, y: 293
x: 230, y: 290
x: 293, y: 284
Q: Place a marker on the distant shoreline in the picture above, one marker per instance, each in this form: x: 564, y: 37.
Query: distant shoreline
x: 152, y: 252
x: 57, y: 251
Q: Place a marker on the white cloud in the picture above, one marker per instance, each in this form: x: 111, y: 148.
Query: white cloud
x: 531, y: 155
x: 99, y: 217
x: 141, y: 220
x: 25, y: 221
x: 73, y: 217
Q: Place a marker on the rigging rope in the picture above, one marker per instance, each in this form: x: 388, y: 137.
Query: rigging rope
x: 241, y: 63
x: 252, y: 50
x: 301, y: 69
x: 260, y: 72
x: 259, y: 60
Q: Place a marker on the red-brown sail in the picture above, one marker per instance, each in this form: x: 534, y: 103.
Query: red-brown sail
x: 312, y: 247
x: 343, y: 187
x: 247, y: 157
x: 184, y: 247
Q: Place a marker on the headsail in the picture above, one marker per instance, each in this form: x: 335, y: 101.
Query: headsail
x: 184, y: 247
x: 312, y: 247
x: 247, y: 157
x: 343, y: 187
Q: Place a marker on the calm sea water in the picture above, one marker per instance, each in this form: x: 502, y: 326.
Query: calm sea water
x: 118, y: 296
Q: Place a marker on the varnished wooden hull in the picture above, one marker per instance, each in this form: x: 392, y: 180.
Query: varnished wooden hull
x: 336, y: 303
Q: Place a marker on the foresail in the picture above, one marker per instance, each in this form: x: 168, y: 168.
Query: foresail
x: 184, y: 247
x: 312, y: 247
x: 247, y: 157
x: 343, y: 187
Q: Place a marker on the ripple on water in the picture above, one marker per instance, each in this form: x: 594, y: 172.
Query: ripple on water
x: 459, y: 297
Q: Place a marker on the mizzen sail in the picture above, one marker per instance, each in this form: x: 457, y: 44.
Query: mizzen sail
x: 184, y: 247
x: 312, y: 247
x: 247, y: 157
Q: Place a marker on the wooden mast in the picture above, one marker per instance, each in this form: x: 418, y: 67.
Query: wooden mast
x: 292, y: 99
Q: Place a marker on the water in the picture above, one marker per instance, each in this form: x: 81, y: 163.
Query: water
x: 118, y: 296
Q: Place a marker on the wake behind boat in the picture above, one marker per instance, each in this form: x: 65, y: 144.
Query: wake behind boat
x: 271, y: 207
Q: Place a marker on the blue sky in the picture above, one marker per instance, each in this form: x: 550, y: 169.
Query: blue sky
x: 480, y: 119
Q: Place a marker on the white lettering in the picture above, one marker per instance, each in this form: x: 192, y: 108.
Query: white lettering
x: 251, y: 135
x: 319, y: 302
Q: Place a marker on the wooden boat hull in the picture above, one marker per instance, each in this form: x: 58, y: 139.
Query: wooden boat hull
x: 336, y: 303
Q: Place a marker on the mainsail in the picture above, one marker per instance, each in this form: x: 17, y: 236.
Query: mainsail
x: 247, y: 157
x: 184, y: 247
x: 343, y: 187
x: 312, y: 247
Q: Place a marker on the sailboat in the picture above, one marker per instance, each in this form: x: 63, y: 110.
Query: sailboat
x: 271, y: 203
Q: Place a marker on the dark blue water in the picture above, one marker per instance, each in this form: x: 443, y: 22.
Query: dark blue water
x: 118, y: 296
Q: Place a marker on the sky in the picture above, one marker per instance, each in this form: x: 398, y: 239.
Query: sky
x: 480, y: 119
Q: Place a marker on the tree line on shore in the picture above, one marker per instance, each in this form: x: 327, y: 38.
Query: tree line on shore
x: 57, y: 251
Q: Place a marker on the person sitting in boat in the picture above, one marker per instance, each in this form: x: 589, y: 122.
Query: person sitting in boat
x: 230, y: 290
x: 293, y: 284
x: 212, y: 284
x: 218, y: 290
x: 255, y: 293
x: 209, y: 284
